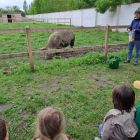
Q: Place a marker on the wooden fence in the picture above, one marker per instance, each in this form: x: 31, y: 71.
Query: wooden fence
x: 50, y: 53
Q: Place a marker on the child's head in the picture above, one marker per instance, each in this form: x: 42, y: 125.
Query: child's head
x: 50, y: 123
x: 137, y: 13
x: 123, y: 98
x: 3, y: 130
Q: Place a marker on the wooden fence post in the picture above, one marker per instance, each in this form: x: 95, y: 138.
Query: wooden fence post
x: 106, y: 41
x: 31, y: 61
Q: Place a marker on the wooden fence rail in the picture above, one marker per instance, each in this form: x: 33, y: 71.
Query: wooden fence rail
x: 58, y: 29
x: 50, y: 53
x: 67, y: 52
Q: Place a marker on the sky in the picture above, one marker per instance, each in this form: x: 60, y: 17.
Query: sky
x: 19, y: 3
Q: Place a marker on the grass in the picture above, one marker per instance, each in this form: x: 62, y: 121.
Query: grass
x: 30, y: 24
x: 80, y: 86
x: 16, y: 42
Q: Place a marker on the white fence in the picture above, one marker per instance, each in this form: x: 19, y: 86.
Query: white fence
x: 65, y: 21
x: 90, y: 18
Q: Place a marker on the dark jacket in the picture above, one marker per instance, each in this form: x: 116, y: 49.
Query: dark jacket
x: 135, y: 25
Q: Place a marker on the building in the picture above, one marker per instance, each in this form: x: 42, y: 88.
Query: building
x: 10, y: 18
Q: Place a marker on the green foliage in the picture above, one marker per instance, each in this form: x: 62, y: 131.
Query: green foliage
x: 130, y: 1
x: 47, y: 6
x: 102, y: 5
x: 113, y: 59
x: 90, y: 3
x: 25, y: 7
x: 13, y: 9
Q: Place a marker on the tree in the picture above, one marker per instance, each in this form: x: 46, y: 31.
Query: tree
x: 130, y: 1
x: 90, y: 3
x: 104, y: 5
x: 25, y: 7
x: 8, y: 9
x: 15, y: 8
x: 47, y: 6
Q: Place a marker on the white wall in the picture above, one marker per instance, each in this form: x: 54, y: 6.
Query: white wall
x: 109, y: 18
x: 90, y: 18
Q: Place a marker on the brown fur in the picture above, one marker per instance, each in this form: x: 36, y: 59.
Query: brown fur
x: 61, y: 39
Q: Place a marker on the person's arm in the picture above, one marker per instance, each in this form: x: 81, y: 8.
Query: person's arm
x: 130, y: 27
x: 137, y: 30
x: 107, y: 129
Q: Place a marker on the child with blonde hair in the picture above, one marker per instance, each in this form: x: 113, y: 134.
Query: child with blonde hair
x: 50, y: 125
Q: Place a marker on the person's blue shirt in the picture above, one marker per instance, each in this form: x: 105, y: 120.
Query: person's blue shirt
x: 135, y: 25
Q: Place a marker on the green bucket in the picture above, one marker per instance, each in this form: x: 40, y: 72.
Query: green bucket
x: 114, y: 62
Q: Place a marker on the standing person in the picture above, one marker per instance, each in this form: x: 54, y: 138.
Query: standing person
x: 119, y: 122
x: 3, y: 130
x: 134, y: 38
x: 50, y: 125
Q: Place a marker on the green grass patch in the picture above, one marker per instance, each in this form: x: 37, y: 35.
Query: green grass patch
x: 80, y: 86
x: 16, y: 42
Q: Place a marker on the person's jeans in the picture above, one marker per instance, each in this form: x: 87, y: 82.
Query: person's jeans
x: 131, y: 45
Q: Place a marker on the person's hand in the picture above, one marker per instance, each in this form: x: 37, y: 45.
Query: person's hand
x: 133, y: 30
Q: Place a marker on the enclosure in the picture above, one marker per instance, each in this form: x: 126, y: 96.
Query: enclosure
x: 81, y: 86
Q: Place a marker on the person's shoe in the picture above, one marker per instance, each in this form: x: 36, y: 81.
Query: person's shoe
x: 127, y: 61
x: 135, y: 63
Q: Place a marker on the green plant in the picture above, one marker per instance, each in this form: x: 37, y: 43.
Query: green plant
x: 113, y: 62
x: 113, y: 59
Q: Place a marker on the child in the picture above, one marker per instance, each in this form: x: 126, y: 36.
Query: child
x: 119, y: 122
x: 3, y: 130
x: 50, y: 125
x: 137, y: 115
x: 137, y: 120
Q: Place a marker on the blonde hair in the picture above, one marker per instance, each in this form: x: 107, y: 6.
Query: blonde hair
x: 50, y: 124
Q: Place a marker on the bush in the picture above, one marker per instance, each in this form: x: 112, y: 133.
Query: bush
x: 114, y: 62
